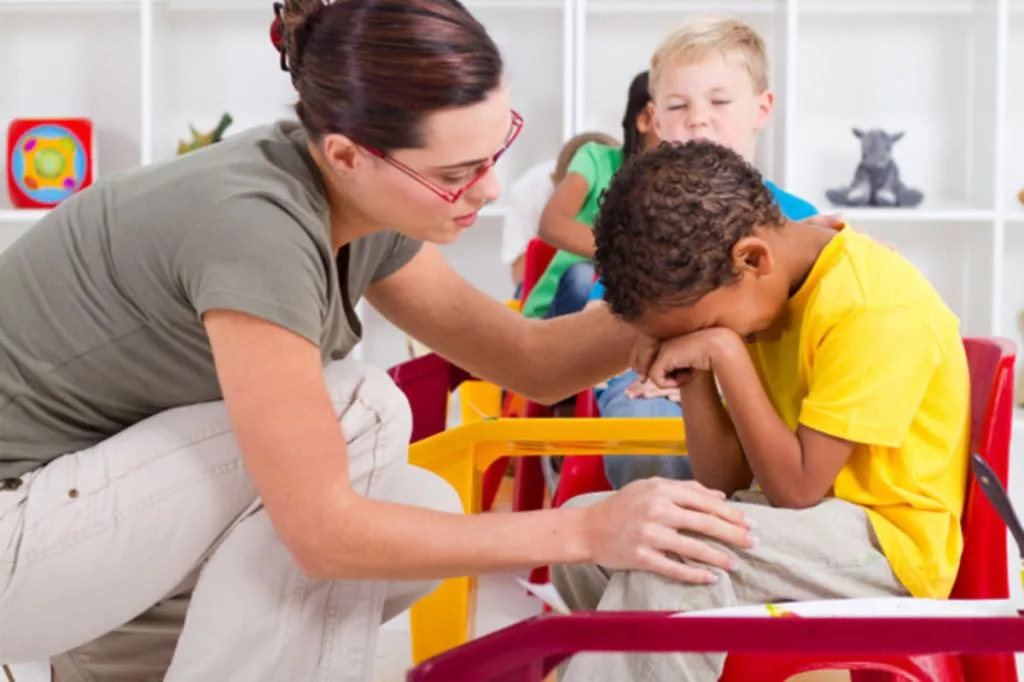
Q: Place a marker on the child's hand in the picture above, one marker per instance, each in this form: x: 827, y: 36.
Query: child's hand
x: 679, y: 358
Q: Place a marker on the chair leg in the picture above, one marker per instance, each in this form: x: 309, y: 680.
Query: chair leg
x: 492, y: 482
x: 528, y: 491
x: 445, y: 618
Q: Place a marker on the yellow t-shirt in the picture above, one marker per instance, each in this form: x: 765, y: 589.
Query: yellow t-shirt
x: 871, y: 354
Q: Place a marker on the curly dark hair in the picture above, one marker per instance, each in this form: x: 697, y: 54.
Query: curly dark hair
x: 669, y: 220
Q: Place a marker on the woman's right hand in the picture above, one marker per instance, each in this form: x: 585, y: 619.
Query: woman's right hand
x: 638, y: 528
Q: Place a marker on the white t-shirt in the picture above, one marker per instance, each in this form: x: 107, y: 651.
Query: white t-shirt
x: 527, y: 197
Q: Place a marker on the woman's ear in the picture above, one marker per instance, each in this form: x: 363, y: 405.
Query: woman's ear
x: 341, y: 153
x: 751, y: 255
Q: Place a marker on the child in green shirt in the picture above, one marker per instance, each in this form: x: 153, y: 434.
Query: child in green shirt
x: 566, y: 283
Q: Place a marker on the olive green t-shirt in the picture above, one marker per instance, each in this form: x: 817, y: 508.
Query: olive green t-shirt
x: 101, y: 301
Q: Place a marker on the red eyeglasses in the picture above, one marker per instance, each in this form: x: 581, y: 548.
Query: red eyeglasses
x: 450, y: 195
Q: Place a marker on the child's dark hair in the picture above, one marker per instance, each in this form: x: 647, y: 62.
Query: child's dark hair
x: 669, y: 221
x: 639, y: 96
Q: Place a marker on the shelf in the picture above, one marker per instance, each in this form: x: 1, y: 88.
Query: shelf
x: 735, y: 7
x: 64, y: 6
x: 16, y: 216
x: 912, y: 215
x: 917, y: 9
x: 261, y: 5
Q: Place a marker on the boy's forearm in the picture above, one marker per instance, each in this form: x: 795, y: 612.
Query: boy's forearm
x: 773, y: 452
x: 711, y: 441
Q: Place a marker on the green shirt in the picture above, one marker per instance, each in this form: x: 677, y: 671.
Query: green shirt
x: 596, y: 163
x: 101, y: 317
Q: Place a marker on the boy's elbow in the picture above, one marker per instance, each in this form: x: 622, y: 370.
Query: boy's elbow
x: 545, y: 231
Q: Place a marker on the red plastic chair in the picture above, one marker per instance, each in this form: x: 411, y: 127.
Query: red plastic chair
x: 531, y: 649
x: 774, y: 649
x: 983, y: 569
x: 427, y: 381
x: 528, y: 489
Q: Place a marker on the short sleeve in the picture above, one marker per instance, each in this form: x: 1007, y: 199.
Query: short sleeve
x: 252, y: 256
x: 399, y: 251
x: 587, y: 162
x: 869, y: 376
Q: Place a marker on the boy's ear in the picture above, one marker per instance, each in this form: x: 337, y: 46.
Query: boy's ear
x: 765, y: 107
x: 645, y: 119
x: 752, y: 256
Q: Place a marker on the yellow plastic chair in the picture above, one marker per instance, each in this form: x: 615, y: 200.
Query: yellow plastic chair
x: 445, y: 618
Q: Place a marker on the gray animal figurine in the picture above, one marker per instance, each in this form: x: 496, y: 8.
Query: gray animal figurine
x: 877, y: 179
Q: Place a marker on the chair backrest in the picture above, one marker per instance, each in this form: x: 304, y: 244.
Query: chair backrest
x: 983, y: 567
x: 538, y: 257
x: 427, y: 381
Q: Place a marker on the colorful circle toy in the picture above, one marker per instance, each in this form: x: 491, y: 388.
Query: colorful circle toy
x: 49, y: 163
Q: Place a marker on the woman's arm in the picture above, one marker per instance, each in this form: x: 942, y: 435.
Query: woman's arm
x: 558, y: 224
x: 296, y: 454
x: 545, y: 360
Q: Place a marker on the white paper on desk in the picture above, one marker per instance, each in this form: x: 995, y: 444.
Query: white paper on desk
x: 546, y: 593
x: 882, y: 607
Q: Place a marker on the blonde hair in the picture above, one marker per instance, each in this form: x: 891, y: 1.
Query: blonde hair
x: 570, y: 148
x: 702, y: 37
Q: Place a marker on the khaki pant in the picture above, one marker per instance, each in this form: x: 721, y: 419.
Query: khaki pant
x: 827, y: 552
x: 148, y: 557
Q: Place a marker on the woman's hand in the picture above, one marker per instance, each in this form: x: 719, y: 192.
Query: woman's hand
x: 834, y: 221
x: 645, y: 349
x: 649, y: 389
x: 647, y: 526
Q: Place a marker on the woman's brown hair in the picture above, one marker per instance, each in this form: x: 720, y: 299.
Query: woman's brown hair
x: 374, y: 69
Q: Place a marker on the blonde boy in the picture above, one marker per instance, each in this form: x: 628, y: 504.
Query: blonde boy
x: 709, y: 80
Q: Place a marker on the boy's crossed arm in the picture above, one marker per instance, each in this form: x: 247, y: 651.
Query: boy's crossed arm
x: 716, y: 454
x: 794, y: 470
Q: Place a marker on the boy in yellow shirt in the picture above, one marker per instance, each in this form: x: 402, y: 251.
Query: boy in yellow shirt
x: 844, y: 375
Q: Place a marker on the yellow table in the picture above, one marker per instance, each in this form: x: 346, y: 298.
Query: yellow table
x: 445, y: 618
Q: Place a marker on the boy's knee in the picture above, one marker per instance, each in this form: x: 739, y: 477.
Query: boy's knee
x: 621, y: 470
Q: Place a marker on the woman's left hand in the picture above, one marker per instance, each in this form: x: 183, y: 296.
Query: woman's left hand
x: 648, y: 389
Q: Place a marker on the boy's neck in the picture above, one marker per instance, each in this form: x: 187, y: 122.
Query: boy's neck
x: 797, y: 247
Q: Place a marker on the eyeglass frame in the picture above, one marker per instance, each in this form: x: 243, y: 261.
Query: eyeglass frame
x: 449, y: 195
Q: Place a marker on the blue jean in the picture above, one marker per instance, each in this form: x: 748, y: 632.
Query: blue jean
x: 622, y: 469
x: 573, y: 290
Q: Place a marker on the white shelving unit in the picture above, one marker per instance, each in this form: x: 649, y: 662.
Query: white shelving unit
x: 940, y: 70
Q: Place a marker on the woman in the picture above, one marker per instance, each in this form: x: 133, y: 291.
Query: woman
x: 180, y: 429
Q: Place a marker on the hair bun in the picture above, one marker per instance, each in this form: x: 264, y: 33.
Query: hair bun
x: 278, y: 35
